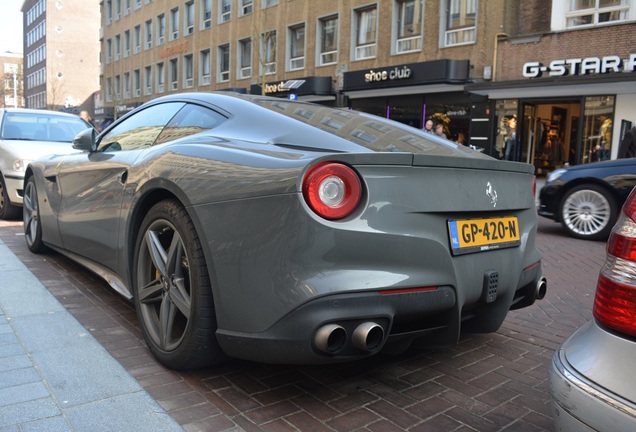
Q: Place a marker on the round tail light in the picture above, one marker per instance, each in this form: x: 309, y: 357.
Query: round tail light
x: 332, y: 190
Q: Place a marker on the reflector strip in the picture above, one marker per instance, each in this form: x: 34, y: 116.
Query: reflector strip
x: 407, y: 290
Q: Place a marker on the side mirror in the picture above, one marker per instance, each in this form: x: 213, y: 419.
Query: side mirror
x: 86, y: 140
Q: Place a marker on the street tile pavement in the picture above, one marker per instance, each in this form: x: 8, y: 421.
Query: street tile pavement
x: 54, y: 375
x: 493, y: 382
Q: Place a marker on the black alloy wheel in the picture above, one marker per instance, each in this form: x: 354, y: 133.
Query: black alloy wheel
x: 173, y: 295
x: 7, y: 210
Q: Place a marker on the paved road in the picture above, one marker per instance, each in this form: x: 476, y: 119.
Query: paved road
x: 495, y: 382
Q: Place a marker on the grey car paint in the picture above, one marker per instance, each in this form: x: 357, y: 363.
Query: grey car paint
x: 278, y: 270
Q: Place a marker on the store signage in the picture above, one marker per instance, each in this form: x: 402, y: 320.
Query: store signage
x: 388, y: 74
x: 174, y: 50
x: 580, y: 66
x: 275, y: 88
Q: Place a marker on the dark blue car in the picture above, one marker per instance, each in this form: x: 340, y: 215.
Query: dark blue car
x: 586, y: 198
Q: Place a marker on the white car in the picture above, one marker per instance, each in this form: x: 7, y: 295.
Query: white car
x: 26, y: 135
x: 591, y: 378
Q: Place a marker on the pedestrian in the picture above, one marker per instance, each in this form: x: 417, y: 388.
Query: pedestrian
x: 428, y: 126
x: 627, y: 147
x: 439, y: 130
x: 87, y: 118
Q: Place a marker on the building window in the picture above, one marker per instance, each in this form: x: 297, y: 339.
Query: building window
x: 206, y: 14
x: 365, y: 33
x: 246, y: 7
x: 268, y: 52
x: 127, y: 7
x: 127, y: 85
x: 189, y: 18
x: 245, y: 58
x: 161, y: 29
x: 127, y: 43
x: 148, y: 80
x: 225, y: 11
x: 595, y: 12
x: 188, y: 71
x: 117, y: 10
x: 268, y: 3
x: 148, y: 34
x: 117, y: 47
x: 224, y: 63
x: 109, y: 51
x: 109, y: 90
x: 408, y: 21
x: 109, y: 11
x: 461, y: 21
x: 137, y: 38
x: 205, y: 67
x: 174, y: 24
x: 328, y: 40
x: 160, y: 77
x: 117, y: 94
x: 174, y: 74
x: 137, y: 4
x: 296, y: 37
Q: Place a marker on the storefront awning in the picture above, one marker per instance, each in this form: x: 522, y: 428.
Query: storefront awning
x: 407, y: 90
x: 589, y: 85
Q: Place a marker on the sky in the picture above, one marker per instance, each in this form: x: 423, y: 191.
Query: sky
x: 11, y: 25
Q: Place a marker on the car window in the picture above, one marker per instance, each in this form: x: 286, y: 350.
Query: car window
x: 140, y: 129
x: 190, y: 120
x: 41, y: 127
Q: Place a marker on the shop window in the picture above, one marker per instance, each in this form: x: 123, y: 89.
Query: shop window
x: 598, y: 116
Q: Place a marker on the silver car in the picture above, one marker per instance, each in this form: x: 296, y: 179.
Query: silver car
x: 25, y: 135
x: 592, y: 375
x: 288, y: 232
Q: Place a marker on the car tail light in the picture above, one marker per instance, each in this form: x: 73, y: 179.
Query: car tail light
x: 332, y: 190
x: 615, y: 300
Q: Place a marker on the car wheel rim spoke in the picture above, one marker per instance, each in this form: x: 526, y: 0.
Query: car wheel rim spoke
x: 586, y: 212
x: 30, y: 213
x: 165, y: 296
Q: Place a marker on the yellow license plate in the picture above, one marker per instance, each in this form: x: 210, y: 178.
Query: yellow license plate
x: 476, y: 235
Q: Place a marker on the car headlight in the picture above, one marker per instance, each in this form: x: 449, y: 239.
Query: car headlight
x: 20, y: 164
x: 554, y: 175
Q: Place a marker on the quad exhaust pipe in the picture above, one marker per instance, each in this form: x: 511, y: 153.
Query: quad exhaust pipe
x: 541, y: 289
x: 368, y: 337
x: 332, y: 338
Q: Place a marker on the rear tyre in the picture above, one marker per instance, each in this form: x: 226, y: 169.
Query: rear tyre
x: 31, y: 218
x: 588, y: 212
x: 7, y: 210
x: 173, y: 296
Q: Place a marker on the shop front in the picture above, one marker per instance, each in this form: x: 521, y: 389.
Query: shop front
x: 414, y: 93
x: 566, y: 112
x: 309, y: 89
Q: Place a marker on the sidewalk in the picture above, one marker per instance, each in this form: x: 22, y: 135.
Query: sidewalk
x: 54, y: 376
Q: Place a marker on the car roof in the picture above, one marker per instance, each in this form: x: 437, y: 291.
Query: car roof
x: 35, y: 111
